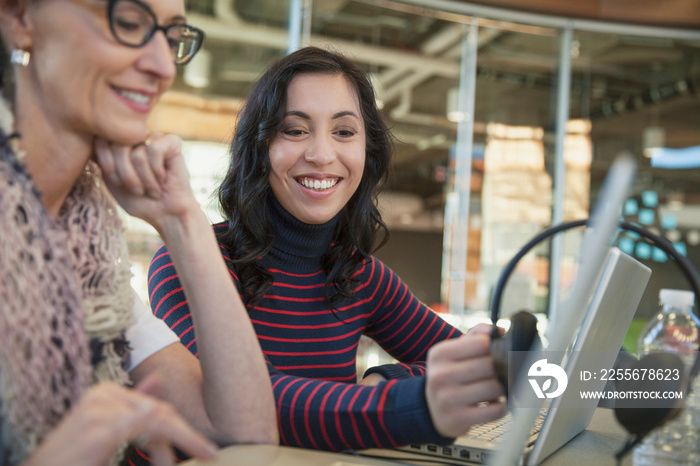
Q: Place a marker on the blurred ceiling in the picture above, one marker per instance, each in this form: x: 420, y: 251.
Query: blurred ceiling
x: 622, y: 83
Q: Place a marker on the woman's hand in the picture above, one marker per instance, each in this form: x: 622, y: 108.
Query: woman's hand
x: 483, y: 329
x: 150, y: 180
x: 461, y: 386
x: 108, y: 416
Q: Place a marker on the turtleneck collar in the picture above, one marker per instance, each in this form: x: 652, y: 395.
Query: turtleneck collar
x: 297, y: 238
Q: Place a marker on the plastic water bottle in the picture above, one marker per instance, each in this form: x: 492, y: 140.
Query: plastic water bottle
x: 675, y: 329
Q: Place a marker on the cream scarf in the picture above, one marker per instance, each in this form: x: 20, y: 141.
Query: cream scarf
x: 64, y: 290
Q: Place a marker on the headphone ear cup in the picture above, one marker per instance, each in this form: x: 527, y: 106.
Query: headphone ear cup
x: 521, y: 337
x: 638, y: 419
x: 523, y: 328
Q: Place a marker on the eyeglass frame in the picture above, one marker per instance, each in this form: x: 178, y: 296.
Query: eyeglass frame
x: 156, y: 27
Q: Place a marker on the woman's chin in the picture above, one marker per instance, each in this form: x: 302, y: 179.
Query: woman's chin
x: 132, y: 137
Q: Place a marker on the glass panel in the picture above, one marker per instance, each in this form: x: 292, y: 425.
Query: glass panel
x: 628, y: 92
x: 639, y: 93
x: 413, y: 56
x: 514, y: 129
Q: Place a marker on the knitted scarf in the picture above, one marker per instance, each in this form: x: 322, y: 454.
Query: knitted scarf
x: 65, y: 301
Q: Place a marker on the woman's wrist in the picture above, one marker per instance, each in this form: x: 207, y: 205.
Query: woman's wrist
x: 185, y: 226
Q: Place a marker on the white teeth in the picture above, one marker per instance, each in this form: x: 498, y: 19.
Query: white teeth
x: 318, y: 185
x: 135, y: 96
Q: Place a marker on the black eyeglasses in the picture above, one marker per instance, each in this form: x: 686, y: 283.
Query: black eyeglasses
x: 133, y: 24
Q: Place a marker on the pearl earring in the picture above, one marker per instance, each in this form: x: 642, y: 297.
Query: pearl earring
x: 19, y: 57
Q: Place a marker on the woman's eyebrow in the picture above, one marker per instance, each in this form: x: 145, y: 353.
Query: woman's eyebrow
x: 335, y: 116
x: 298, y: 113
x: 345, y: 113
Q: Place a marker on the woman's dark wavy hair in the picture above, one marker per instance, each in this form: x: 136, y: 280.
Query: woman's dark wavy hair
x: 7, y: 88
x: 244, y: 193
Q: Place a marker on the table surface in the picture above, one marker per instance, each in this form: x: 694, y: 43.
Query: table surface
x: 595, y: 445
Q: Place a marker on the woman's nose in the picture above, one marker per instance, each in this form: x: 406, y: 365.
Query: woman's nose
x: 158, y: 57
x: 321, y: 151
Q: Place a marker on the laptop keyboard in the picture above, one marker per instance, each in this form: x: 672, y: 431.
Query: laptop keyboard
x: 491, y: 432
x: 494, y: 430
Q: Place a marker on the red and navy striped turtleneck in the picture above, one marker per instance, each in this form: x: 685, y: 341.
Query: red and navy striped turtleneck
x: 311, y: 354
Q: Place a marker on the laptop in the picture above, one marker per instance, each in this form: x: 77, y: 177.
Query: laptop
x: 607, y: 291
x: 611, y: 309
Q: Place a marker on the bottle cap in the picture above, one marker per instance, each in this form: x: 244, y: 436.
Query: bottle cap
x: 677, y: 298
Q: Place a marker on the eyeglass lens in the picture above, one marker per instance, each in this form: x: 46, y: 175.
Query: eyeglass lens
x: 133, y: 24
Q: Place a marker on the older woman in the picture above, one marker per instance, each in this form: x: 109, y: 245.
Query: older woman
x: 72, y: 332
x: 309, y: 156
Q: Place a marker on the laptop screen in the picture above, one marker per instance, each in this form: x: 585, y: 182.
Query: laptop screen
x: 594, y: 247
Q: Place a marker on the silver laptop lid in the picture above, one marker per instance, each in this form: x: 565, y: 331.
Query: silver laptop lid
x: 613, y: 304
x: 594, y: 248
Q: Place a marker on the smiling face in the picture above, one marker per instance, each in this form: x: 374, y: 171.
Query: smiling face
x: 318, y: 154
x: 83, y: 80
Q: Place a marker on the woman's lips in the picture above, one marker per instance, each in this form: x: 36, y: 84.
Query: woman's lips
x: 317, y: 184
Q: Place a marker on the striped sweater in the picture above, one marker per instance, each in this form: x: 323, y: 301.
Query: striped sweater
x: 311, y: 354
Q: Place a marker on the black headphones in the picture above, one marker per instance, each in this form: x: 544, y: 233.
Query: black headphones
x: 523, y: 334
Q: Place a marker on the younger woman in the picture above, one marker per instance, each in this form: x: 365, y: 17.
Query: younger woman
x: 308, y: 158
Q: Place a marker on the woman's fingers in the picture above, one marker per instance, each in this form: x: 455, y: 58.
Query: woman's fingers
x: 142, y: 159
x: 467, y: 417
x: 484, y: 329
x: 127, y: 415
x: 108, y: 416
x: 133, y: 166
x: 461, y: 386
x: 139, y: 169
x: 463, y: 372
x: 457, y: 396
x: 160, y: 147
x: 462, y: 348
x: 107, y: 161
x: 149, y: 181
x: 161, y: 454
x: 128, y: 174
x: 158, y: 426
